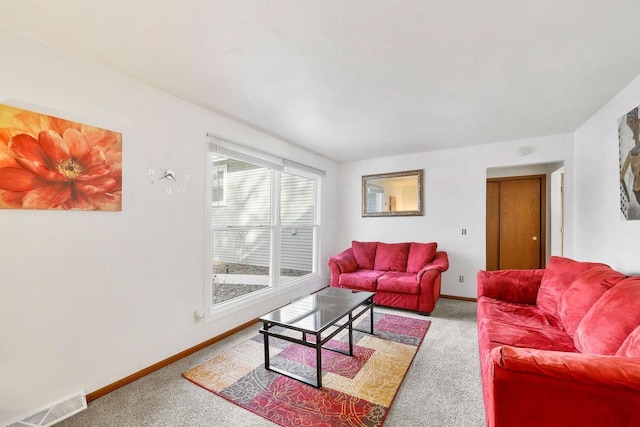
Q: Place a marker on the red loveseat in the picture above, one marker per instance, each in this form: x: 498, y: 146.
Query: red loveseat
x: 560, y: 346
x: 403, y: 275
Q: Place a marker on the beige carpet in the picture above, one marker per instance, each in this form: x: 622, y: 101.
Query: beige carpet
x: 441, y: 389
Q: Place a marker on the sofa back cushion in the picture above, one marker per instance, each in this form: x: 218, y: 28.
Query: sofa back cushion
x: 557, y: 278
x: 611, y: 319
x: 364, y: 253
x: 631, y: 345
x: 586, y: 289
x: 420, y: 254
x: 391, y: 257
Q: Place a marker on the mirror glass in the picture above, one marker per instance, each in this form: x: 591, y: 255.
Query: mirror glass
x: 392, y: 194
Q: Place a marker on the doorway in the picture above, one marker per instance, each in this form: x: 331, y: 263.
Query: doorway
x: 516, y: 222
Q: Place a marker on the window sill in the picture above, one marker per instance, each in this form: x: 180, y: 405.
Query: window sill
x: 260, y: 302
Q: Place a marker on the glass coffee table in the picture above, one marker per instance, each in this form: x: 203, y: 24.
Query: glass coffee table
x: 320, y: 316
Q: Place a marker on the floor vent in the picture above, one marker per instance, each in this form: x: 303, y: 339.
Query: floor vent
x: 55, y: 414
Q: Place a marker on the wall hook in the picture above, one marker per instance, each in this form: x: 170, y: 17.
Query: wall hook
x: 169, y: 174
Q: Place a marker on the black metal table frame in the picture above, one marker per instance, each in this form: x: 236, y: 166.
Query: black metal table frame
x: 319, y: 342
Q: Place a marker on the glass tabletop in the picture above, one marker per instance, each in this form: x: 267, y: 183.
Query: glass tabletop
x: 317, y: 311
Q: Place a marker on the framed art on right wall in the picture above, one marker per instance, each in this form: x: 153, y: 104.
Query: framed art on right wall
x: 629, y: 146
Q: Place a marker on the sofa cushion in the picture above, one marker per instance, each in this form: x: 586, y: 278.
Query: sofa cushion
x: 557, y: 278
x: 511, y: 313
x: 397, y: 300
x: 516, y: 286
x: 527, y: 336
x: 364, y: 253
x: 403, y: 283
x: 586, y: 289
x: 360, y: 279
x: 611, y: 319
x: 391, y: 257
x: 420, y: 254
x: 631, y: 345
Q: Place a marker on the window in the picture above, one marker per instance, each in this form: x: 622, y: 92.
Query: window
x: 264, y: 223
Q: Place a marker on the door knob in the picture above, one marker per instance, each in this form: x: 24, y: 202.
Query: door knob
x: 535, y: 237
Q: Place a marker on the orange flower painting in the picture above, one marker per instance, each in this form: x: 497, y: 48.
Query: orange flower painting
x: 52, y: 163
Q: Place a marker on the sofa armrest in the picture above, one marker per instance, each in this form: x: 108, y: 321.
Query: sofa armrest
x: 519, y: 286
x: 440, y: 263
x: 344, y: 262
x: 531, y: 388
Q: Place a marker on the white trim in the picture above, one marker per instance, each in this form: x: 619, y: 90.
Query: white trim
x: 235, y: 150
x: 208, y: 246
x: 262, y: 297
x: 274, y: 259
x: 299, y: 168
x: 240, y: 152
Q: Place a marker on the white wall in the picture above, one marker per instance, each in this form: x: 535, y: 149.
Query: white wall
x: 455, y: 198
x: 602, y: 234
x: 87, y: 298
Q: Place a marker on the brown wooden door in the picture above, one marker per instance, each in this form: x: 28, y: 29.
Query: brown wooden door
x: 515, y: 223
x: 493, y: 225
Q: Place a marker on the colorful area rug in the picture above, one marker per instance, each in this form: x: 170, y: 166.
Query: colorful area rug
x: 357, y: 391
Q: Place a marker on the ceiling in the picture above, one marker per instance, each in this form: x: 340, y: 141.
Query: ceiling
x: 358, y: 79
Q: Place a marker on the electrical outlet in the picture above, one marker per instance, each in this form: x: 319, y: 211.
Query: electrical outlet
x: 461, y: 278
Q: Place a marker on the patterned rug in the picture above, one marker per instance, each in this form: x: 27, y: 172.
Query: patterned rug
x: 357, y: 390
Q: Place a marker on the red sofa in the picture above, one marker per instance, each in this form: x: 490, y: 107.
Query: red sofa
x: 403, y: 275
x: 560, y: 346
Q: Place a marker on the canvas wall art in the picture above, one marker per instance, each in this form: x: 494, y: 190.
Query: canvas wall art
x: 629, y: 150
x: 52, y: 163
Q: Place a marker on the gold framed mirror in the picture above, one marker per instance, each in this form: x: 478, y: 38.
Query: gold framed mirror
x: 393, y: 194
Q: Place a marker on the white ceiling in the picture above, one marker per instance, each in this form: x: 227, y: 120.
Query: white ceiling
x: 357, y: 79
